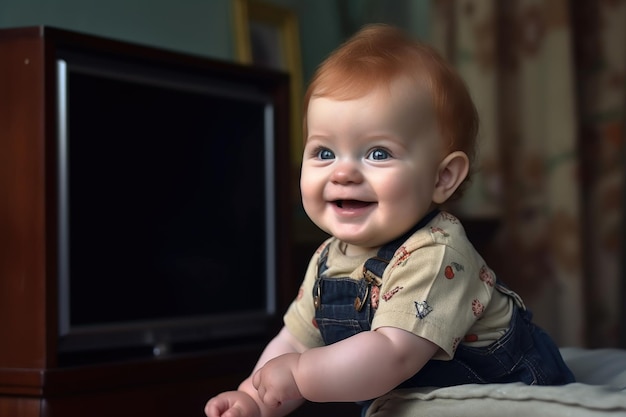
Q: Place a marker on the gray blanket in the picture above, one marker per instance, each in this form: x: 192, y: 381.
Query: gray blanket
x: 600, y: 391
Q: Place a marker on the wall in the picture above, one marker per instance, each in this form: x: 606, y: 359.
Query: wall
x: 204, y: 27
x: 192, y: 26
x: 325, y: 24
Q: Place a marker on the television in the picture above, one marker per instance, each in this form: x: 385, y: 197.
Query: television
x: 170, y: 204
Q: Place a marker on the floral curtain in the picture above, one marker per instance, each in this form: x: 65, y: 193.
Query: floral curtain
x: 600, y: 43
x: 548, y: 78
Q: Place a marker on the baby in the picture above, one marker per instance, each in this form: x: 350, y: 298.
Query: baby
x: 397, y: 297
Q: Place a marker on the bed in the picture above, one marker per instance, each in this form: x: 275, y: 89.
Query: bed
x: 600, y: 391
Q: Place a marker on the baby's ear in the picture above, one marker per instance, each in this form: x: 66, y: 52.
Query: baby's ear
x: 450, y: 174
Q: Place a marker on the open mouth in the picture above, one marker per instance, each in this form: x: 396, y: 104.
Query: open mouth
x: 351, y: 204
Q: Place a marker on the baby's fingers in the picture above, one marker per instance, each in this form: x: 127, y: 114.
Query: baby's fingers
x: 218, y: 408
x: 232, y: 404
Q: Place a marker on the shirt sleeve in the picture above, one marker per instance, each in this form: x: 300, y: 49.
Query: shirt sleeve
x: 434, y: 291
x: 300, y: 316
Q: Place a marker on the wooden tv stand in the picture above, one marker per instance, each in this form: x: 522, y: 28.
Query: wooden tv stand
x: 33, y: 381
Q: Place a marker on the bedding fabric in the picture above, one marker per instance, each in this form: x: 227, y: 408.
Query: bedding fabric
x: 600, y: 391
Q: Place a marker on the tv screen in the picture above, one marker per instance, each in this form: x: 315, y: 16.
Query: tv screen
x: 166, y: 207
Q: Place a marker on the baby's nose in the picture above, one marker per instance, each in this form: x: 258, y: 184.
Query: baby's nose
x: 346, y: 172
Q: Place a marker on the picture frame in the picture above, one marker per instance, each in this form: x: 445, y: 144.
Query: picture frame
x: 268, y: 35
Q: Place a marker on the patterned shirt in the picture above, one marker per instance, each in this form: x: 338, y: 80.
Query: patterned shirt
x: 436, y: 286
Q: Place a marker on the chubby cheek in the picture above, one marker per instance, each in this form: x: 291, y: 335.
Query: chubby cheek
x: 406, y: 198
x: 312, y: 195
x: 395, y: 188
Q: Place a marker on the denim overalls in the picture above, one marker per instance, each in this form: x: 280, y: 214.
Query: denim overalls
x: 525, y: 353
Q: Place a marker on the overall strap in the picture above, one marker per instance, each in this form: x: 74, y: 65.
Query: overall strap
x: 377, y: 264
x: 321, y: 261
x: 501, y: 287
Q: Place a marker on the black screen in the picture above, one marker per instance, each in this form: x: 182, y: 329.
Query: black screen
x: 167, y: 202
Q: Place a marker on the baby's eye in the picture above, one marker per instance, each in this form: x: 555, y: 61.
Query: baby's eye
x: 324, y: 153
x: 378, y: 154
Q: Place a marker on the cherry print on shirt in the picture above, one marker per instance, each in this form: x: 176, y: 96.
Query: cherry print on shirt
x: 470, y: 338
x: 448, y: 272
x: 450, y: 269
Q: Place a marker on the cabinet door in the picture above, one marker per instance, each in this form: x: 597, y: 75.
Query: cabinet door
x: 22, y: 407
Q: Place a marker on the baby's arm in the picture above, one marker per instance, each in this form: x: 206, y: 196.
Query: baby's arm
x: 245, y: 402
x: 361, y: 367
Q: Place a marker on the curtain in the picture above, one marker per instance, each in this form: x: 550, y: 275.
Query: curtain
x: 600, y: 45
x: 548, y: 79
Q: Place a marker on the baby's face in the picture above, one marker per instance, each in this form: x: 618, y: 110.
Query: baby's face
x: 370, y: 164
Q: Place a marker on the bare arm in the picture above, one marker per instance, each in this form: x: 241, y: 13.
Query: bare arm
x: 283, y: 343
x: 245, y: 402
x: 361, y: 367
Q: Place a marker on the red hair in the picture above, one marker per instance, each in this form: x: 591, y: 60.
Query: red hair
x: 379, y: 54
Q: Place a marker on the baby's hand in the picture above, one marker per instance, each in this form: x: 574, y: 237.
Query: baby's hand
x: 232, y: 404
x: 275, y: 381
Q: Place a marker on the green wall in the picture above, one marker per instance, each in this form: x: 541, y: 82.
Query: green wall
x: 204, y: 27
x: 193, y: 26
